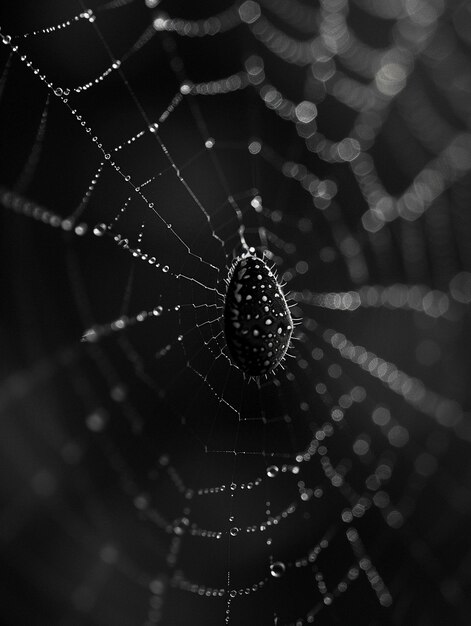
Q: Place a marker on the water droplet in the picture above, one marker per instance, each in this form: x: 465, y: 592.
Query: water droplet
x: 118, y: 393
x: 181, y: 525
x: 81, y: 229
x: 272, y: 471
x: 157, y: 311
x: 234, y: 531
x: 277, y: 569
x: 99, y: 230
x: 96, y: 421
x: 90, y: 335
x: 165, y: 268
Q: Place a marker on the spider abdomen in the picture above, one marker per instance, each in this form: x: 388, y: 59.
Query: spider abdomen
x: 257, y: 321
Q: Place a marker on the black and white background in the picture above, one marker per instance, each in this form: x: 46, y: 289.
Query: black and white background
x: 143, y: 479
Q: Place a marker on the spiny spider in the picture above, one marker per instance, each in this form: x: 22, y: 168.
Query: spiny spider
x: 257, y: 320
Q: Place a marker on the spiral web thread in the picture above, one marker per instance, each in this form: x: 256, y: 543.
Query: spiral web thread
x: 344, y: 454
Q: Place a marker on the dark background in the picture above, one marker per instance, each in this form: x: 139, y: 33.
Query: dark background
x: 95, y: 437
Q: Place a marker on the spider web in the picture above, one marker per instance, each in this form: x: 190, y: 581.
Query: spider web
x: 145, y: 480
